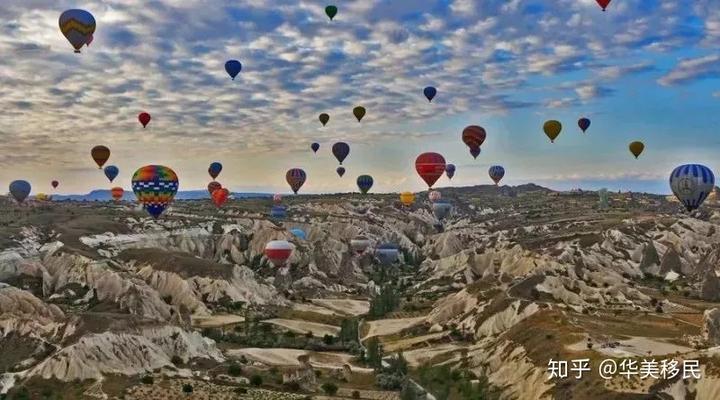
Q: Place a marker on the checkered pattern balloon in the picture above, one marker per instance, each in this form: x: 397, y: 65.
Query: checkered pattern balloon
x: 155, y: 187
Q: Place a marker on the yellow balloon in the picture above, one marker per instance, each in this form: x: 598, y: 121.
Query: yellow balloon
x: 552, y: 129
x: 636, y: 148
x: 407, y: 198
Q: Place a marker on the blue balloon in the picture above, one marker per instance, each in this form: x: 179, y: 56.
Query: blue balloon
x: 387, y: 253
x: 233, y: 68
x: 692, y: 184
x: 20, y: 190
x: 315, y: 147
x: 341, y: 150
x: 430, y: 93
x: 111, y: 172
x: 298, y: 233
x: 340, y: 171
x: 584, y: 124
x: 441, y: 209
x: 364, y: 183
x: 214, y: 169
x: 278, y: 212
x: 450, y: 170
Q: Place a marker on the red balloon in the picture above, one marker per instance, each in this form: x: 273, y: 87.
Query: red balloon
x: 55, y: 184
x: 430, y: 167
x: 603, y: 3
x: 213, y: 186
x: 474, y: 136
x: 117, y: 193
x: 144, y: 118
x: 220, y: 196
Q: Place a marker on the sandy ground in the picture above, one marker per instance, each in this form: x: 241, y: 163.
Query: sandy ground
x: 408, y: 343
x: 637, y: 346
x: 289, y: 358
x: 215, y: 321
x: 302, y: 327
x: 384, y: 327
x: 344, y: 306
x: 305, y: 307
x: 418, y: 357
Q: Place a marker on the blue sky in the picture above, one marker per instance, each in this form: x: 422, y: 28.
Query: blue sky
x: 644, y: 70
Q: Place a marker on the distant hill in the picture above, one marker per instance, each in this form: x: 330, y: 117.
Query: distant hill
x: 104, y: 195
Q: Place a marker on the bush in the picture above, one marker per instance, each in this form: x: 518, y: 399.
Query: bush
x: 256, y: 380
x: 147, y: 380
x: 240, y: 390
x: 292, y: 386
x: 329, y: 388
x: 176, y: 360
x: 329, y: 339
x: 355, y: 394
x: 234, y: 370
x: 389, y: 381
x: 187, y: 388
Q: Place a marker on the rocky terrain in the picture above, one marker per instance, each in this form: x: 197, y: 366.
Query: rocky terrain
x: 97, y: 300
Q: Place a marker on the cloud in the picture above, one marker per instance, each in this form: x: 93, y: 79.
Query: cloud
x: 692, y: 69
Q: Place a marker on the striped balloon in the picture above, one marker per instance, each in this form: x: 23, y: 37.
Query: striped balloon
x: 474, y: 136
x: 430, y: 167
x: 496, y: 173
x: 155, y: 187
x: 278, y: 252
x: 295, y: 178
x: 364, y: 183
x: 691, y: 184
x: 359, y: 244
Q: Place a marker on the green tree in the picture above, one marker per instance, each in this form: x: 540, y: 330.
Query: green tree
x: 374, y: 353
x: 187, y: 388
x: 256, y: 380
x: 329, y: 388
x: 234, y: 370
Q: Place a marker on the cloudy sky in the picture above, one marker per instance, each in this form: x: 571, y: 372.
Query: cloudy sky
x: 644, y: 70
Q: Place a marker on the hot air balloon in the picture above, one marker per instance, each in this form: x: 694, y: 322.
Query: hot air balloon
x: 430, y: 93
x: 220, y: 196
x: 117, y: 193
x: 691, y: 184
x: 474, y: 136
x: 278, y: 212
x: 340, y: 171
x: 213, y: 186
x: 55, y: 184
x: 552, y: 129
x: 407, y: 198
x: 20, y: 190
x: 42, y: 197
x: 359, y: 244
x: 295, y: 178
x: 299, y: 233
x: 278, y: 252
x: 155, y: 187
x: 496, y: 173
x: 359, y: 112
x: 441, y: 209
x: 450, y: 170
x: 603, y: 3
x: 430, y: 167
x: 475, y: 152
x: 277, y: 198
x: 315, y: 147
x: 331, y: 11
x: 636, y: 148
x: 434, y: 196
x: 584, y: 124
x: 341, y: 150
x: 111, y: 172
x: 387, y: 253
x: 324, y: 118
x: 144, y: 118
x: 100, y: 154
x: 78, y: 27
x: 364, y: 183
x: 214, y: 169
x: 233, y: 68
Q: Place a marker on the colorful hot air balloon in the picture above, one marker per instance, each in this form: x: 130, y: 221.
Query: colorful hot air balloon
x: 387, y: 253
x: 295, y: 178
x: 78, y: 27
x: 213, y: 186
x: 584, y: 124
x: 233, y: 68
x: 55, y: 184
x: 450, y: 170
x: 42, y: 197
x: 603, y: 3
x: 324, y: 118
x: 636, y: 148
x: 220, y: 196
x: 155, y: 187
x: 496, y: 173
x: 359, y: 112
x: 100, y: 154
x: 341, y: 150
x: 359, y: 244
x: 691, y: 184
x: 331, y: 11
x: 278, y: 252
x: 441, y: 209
x: 144, y: 118
x: 552, y: 129
x: 278, y: 212
x: 315, y: 147
x: 407, y: 198
x: 430, y: 93
x: 475, y: 152
x: 111, y: 172
x: 474, y: 136
x: 277, y: 198
x: 430, y: 167
x: 20, y: 190
x: 117, y: 193
x: 214, y: 169
x: 364, y: 183
x: 299, y: 233
x: 434, y: 196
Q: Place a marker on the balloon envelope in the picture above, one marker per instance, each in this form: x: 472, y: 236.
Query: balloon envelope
x: 278, y: 252
x: 340, y: 171
x: 636, y: 148
x: 691, y: 184
x: 341, y: 150
x: 233, y: 68
x: 155, y: 187
x: 475, y: 152
x: 55, y: 184
x: 430, y: 93
x: 387, y: 253
x: 278, y: 212
x: 552, y: 129
x: 359, y: 112
x: 496, y: 173
x: 430, y: 167
x: 441, y: 209
x: 214, y: 169
x: 213, y: 186
x: 277, y: 198
x: 324, y: 118
x: 364, y: 183
x: 295, y: 178
x: 220, y: 197
x: 100, y: 154
x: 331, y: 11
x: 315, y: 147
x: 603, y: 3
x: 111, y: 172
x: 434, y: 195
x: 359, y: 244
x: 407, y: 198
x: 299, y: 233
x: 144, y: 118
x: 78, y: 27
x: 117, y: 193
x: 450, y: 171
x: 584, y: 124
x: 474, y: 136
x: 20, y: 190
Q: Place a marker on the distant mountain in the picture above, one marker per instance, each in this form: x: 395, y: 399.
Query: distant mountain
x: 104, y: 195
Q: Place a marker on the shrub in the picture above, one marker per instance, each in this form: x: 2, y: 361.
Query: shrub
x: 176, y: 360
x: 329, y: 388
x: 147, y: 380
x: 292, y: 386
x: 328, y: 339
x: 187, y: 388
x: 389, y: 381
x: 256, y: 380
x: 355, y: 394
x: 234, y: 370
x: 240, y: 390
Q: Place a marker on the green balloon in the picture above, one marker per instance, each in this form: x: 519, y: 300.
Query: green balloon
x: 331, y: 11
